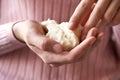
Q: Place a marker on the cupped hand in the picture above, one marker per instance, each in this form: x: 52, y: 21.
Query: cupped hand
x: 95, y: 13
x: 33, y: 34
x: 50, y: 51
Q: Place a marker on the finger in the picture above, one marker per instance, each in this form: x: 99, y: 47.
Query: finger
x: 80, y: 50
x: 79, y: 13
x: 111, y: 11
x: 116, y: 19
x: 98, y: 41
x: 85, y: 18
x: 92, y: 32
x: 44, y: 43
x: 112, y: 15
x: 93, y: 46
x: 98, y: 35
x: 92, y: 36
x: 96, y: 15
x: 66, y: 57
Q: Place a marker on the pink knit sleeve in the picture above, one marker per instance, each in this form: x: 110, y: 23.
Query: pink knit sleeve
x: 7, y: 40
x: 116, y: 38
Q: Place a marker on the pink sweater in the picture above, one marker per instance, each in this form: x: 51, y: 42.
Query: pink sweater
x: 18, y: 62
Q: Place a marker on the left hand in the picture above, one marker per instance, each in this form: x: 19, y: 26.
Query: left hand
x: 105, y: 12
x: 80, y: 51
x: 32, y: 33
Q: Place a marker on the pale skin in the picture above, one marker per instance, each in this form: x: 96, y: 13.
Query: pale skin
x: 50, y: 51
x: 90, y: 13
x: 104, y: 13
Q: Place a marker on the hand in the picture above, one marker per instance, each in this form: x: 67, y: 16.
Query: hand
x: 105, y: 12
x: 32, y: 33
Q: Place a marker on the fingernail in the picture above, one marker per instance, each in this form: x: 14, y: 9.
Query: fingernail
x: 57, y: 48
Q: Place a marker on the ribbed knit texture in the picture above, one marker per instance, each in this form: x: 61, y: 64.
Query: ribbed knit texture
x: 7, y: 39
x: 23, y: 64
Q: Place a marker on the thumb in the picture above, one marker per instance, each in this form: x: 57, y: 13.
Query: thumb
x: 44, y: 43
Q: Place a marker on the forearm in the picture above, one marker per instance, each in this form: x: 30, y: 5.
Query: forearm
x: 7, y: 40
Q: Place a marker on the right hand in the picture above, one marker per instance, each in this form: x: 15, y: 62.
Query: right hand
x: 95, y: 13
x: 50, y: 51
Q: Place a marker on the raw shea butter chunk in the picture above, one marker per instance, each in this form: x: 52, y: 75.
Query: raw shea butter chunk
x: 60, y: 33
